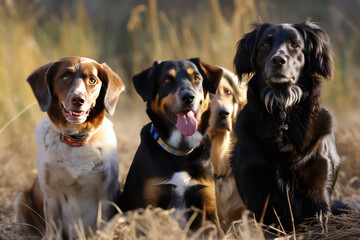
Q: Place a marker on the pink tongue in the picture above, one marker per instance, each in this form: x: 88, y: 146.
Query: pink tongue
x: 186, y: 123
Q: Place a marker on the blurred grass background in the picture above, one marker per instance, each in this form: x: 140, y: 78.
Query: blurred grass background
x: 129, y: 35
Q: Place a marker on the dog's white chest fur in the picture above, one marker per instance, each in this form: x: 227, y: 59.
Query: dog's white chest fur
x: 80, y: 177
x: 77, y: 161
x: 181, y: 182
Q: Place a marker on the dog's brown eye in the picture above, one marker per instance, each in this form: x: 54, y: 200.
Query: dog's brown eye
x: 65, y: 78
x: 197, y: 79
x: 294, y: 45
x: 166, y: 81
x: 228, y: 93
x: 92, y: 80
x: 265, y: 45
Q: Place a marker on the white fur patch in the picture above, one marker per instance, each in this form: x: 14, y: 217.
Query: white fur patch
x: 176, y: 139
x: 75, y: 179
x: 181, y: 181
x: 80, y: 88
x: 284, y: 100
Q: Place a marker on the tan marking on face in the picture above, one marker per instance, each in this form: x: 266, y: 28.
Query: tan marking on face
x: 155, y: 106
x: 194, y: 76
x: 172, y: 73
x: 190, y: 71
x: 166, y: 102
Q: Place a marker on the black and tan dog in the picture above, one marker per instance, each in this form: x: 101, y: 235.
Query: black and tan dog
x: 286, y: 147
x: 225, y: 105
x: 172, y: 166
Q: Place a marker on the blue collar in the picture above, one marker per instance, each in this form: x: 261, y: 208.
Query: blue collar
x: 165, y: 146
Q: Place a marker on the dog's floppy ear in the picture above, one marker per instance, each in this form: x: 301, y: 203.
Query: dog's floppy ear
x: 212, y: 75
x: 318, y: 46
x: 244, y: 60
x: 113, y: 87
x: 39, y: 81
x: 144, y: 82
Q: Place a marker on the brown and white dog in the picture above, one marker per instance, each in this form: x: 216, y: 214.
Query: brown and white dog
x: 77, y: 159
x: 228, y: 101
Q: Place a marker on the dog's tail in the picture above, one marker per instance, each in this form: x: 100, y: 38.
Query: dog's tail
x: 339, y: 207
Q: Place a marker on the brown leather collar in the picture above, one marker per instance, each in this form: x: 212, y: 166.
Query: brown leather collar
x: 75, y: 141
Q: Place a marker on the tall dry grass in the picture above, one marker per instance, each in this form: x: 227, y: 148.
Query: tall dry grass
x: 31, y: 37
x: 29, y: 41
x: 158, y: 35
x: 26, y: 44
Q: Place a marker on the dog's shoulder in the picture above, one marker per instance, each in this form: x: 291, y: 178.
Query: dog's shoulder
x: 105, y: 137
x: 148, y: 147
x: 325, y: 121
x: 42, y: 130
x: 145, y: 133
x: 254, y: 124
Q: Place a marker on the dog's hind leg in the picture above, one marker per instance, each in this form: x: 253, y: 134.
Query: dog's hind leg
x: 30, y: 212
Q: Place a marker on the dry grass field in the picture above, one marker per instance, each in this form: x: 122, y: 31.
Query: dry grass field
x: 33, y: 34
x: 18, y: 170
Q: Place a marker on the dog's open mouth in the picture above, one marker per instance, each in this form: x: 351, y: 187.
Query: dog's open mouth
x: 186, y: 121
x: 75, y: 116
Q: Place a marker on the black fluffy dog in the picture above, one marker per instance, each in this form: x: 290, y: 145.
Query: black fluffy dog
x: 286, y: 147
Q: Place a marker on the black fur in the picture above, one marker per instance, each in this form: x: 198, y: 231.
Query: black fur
x: 152, y: 161
x: 168, y: 82
x: 269, y: 161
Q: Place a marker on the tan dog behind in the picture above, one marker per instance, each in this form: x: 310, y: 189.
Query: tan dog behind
x: 228, y: 101
x: 77, y: 158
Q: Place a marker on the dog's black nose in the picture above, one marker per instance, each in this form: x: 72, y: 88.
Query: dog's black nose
x: 223, y: 113
x: 78, y: 100
x: 278, y: 61
x: 187, y: 98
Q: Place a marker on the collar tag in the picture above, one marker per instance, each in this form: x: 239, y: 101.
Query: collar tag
x: 283, y: 126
